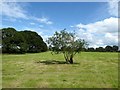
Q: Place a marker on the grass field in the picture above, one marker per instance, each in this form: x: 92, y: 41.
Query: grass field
x: 44, y: 70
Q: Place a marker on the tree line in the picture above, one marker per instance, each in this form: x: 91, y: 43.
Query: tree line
x: 14, y: 41
x: 108, y: 48
x: 21, y: 41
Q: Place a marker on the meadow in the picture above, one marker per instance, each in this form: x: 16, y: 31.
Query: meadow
x: 44, y: 70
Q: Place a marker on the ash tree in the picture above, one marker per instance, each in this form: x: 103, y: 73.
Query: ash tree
x: 66, y: 43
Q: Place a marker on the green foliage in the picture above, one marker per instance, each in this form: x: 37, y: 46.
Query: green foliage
x: 21, y: 41
x: 34, y: 42
x: 12, y: 41
x: 113, y: 48
x: 66, y: 43
x: 100, y: 49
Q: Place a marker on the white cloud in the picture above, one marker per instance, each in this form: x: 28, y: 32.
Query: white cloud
x: 107, y: 25
x: 113, y: 7
x: 13, y: 10
x: 100, y: 33
x: 44, y: 20
x: 71, y: 26
x: 41, y: 26
x: 43, y: 35
x: 111, y: 38
x: 32, y: 23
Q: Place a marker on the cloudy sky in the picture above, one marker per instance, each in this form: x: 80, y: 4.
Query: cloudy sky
x: 96, y: 22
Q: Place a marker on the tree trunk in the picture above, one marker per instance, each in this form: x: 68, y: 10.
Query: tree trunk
x: 66, y: 58
x: 71, y: 59
x: 67, y: 61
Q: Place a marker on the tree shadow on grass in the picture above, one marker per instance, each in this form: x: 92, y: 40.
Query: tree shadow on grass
x: 48, y: 62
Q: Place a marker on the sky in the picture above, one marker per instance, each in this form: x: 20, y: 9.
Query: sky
x: 96, y: 22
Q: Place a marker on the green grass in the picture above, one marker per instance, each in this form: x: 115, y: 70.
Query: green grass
x: 44, y: 70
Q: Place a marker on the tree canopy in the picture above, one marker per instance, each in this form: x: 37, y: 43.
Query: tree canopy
x: 66, y: 43
x: 108, y: 48
x: 21, y: 41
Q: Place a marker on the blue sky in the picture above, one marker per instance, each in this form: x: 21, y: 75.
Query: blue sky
x: 96, y: 22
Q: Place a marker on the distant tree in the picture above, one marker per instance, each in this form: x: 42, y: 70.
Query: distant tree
x: 21, y: 41
x: 66, y: 43
x: 84, y: 49
x: 115, y: 48
x: 34, y: 42
x: 100, y: 49
x: 12, y: 41
x: 108, y: 49
x: 91, y: 49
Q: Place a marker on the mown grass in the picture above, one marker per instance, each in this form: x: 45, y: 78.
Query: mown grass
x: 44, y: 70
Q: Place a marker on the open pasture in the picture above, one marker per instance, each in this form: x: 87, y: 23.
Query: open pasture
x: 44, y: 70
